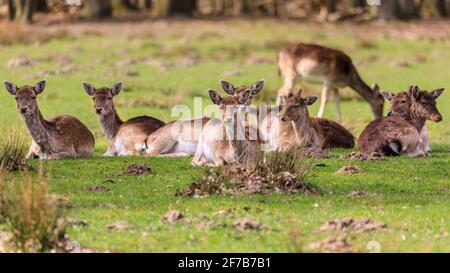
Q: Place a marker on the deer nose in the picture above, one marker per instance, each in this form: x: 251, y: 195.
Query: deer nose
x: 23, y: 109
x: 436, y: 118
x: 98, y: 110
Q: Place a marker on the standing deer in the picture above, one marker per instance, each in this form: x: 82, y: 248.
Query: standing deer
x: 55, y: 138
x: 396, y: 135
x: 334, y: 67
x: 125, y: 137
x: 223, y: 140
x: 298, y: 129
x: 180, y: 138
x: 400, y: 106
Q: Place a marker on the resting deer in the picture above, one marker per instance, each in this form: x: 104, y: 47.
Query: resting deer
x: 298, y: 129
x: 180, y: 138
x: 401, y: 107
x: 223, y: 140
x: 125, y: 137
x: 396, y: 135
x: 334, y: 67
x: 55, y: 138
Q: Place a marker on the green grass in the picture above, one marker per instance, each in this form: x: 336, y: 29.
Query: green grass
x: 412, y: 196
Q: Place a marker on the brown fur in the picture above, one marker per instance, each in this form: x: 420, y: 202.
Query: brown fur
x: 397, y: 135
x: 58, y: 137
x: 334, y: 66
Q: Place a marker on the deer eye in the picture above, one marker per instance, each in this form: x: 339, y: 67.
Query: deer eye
x: 33, y: 98
x: 93, y: 98
x: 109, y: 98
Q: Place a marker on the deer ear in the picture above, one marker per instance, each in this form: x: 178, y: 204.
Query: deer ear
x: 414, y: 91
x: 257, y: 87
x: 227, y: 87
x: 310, y: 100
x: 244, y: 96
x: 40, y: 86
x: 387, y: 95
x: 116, y: 88
x: 11, y: 87
x: 89, y: 88
x: 215, y: 97
x: 436, y: 93
x: 282, y: 104
x: 376, y: 88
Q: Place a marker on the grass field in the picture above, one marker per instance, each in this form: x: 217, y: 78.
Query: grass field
x: 163, y: 64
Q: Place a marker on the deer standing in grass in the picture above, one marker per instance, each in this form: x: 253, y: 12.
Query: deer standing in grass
x: 397, y: 135
x: 125, y: 137
x: 335, y: 68
x: 298, y: 129
x: 400, y: 106
x: 223, y: 140
x: 180, y: 138
x: 55, y: 138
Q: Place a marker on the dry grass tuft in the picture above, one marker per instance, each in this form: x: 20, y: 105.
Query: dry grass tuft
x: 12, y: 33
x: 13, y: 149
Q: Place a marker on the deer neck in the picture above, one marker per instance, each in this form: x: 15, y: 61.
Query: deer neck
x: 235, y: 134
x: 111, y: 123
x: 40, y: 130
x: 305, y: 134
x: 416, y: 119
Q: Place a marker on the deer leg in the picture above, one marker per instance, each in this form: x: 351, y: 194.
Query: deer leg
x: 337, y: 100
x: 323, y: 100
x: 288, y: 85
x: 33, y: 151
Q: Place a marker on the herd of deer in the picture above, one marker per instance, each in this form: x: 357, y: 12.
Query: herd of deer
x: 224, y: 140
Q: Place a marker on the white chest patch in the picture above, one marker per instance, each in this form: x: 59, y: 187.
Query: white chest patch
x: 185, y: 147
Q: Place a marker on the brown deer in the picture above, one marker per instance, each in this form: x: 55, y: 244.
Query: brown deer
x: 336, y: 68
x: 125, y: 137
x: 55, y: 138
x: 400, y: 106
x: 223, y: 140
x: 397, y: 135
x: 180, y: 138
x: 298, y: 129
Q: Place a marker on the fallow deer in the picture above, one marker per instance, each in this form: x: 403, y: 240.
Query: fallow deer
x: 180, y: 138
x: 397, y: 135
x: 223, y: 140
x: 336, y: 68
x: 400, y: 106
x: 55, y: 138
x: 125, y: 137
x: 298, y: 129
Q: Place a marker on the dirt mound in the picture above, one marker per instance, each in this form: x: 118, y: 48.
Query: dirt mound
x: 349, y: 224
x: 358, y: 194
x: 332, y: 245
x: 172, y: 216
x: 362, y: 156
x: 121, y: 225
x: 96, y: 188
x: 247, y: 224
x: 19, y: 61
x: 316, y: 153
x: 349, y: 170
x: 135, y: 169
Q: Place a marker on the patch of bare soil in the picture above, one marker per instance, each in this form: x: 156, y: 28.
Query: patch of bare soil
x: 20, y: 61
x: 358, y: 194
x: 349, y: 170
x: 60, y: 202
x: 135, y: 169
x: 96, y: 188
x: 172, y: 216
x: 247, y: 224
x: 349, y: 224
x: 235, y: 180
x: 316, y: 153
x: 121, y: 225
x: 224, y: 212
x: 332, y: 245
x: 362, y: 156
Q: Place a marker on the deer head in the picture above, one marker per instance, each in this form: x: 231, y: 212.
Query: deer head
x: 296, y: 107
x: 400, y: 103
x: 26, y: 96
x: 235, y: 91
x: 103, y: 97
x: 230, y: 105
x: 423, y: 103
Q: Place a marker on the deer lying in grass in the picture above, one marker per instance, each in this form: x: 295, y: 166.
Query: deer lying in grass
x: 298, y: 129
x: 400, y: 106
x: 335, y: 67
x: 125, y: 137
x: 55, y: 138
x: 180, y: 138
x: 397, y: 135
x: 224, y: 141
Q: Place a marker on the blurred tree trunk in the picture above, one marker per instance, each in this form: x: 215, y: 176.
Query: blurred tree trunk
x: 443, y: 7
x: 98, y: 9
x: 130, y: 5
x: 41, y: 5
x: 185, y: 7
x: 398, y: 9
x: 21, y: 10
x: 148, y: 4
